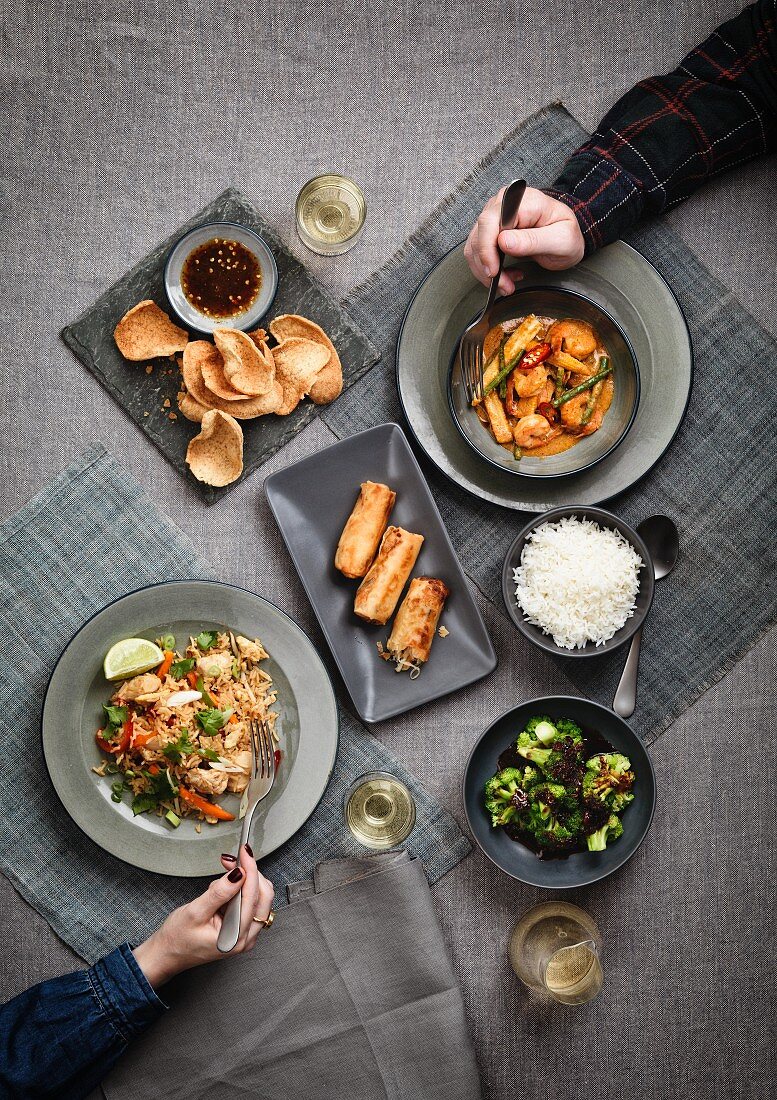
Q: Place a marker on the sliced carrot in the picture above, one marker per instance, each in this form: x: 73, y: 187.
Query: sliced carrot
x: 233, y: 718
x: 164, y: 668
x: 142, y: 739
x: 154, y: 769
x: 192, y: 678
x: 207, y: 807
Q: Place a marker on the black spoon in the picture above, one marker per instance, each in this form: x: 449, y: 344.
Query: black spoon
x: 663, y: 542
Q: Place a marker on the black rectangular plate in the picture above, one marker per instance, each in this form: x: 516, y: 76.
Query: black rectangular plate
x: 143, y: 396
x: 311, y: 501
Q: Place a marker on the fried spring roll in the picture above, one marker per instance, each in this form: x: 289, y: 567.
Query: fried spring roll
x: 379, y: 592
x: 363, y: 529
x: 416, y: 622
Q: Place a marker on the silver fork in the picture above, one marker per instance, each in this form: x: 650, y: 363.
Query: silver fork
x: 262, y: 779
x: 471, y: 343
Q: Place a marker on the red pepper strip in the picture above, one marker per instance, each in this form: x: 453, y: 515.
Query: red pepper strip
x: 277, y: 758
x: 164, y: 668
x: 121, y: 745
x: 192, y: 678
x: 153, y: 769
x: 546, y: 409
x: 209, y: 808
x: 142, y: 739
x: 534, y: 357
x: 511, y: 407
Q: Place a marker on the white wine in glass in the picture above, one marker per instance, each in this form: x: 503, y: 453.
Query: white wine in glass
x: 554, y: 949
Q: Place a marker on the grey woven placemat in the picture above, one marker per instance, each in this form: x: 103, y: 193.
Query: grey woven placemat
x: 150, y: 398
x: 60, y: 562
x: 716, y: 481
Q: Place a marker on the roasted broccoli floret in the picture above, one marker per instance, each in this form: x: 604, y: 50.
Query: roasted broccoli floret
x: 620, y: 801
x: 608, y: 776
x: 565, y: 765
x: 504, y: 795
x: 542, y: 729
x: 530, y: 749
x: 553, y: 796
x: 531, y: 777
x: 611, y: 830
x: 567, y: 728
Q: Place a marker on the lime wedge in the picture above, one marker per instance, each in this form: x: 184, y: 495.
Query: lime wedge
x: 130, y: 657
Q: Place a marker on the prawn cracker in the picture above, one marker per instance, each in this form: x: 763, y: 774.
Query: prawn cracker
x: 247, y: 367
x: 298, y: 364
x: 329, y: 383
x: 146, y: 332
x: 215, y: 456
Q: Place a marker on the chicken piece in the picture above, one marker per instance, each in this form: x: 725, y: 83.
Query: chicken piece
x: 237, y: 783
x: 233, y: 738
x: 134, y: 690
x: 214, y: 664
x: 251, y: 651
x: 207, y: 780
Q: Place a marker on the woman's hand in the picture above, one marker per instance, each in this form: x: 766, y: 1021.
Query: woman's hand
x: 188, y: 936
x: 547, y: 232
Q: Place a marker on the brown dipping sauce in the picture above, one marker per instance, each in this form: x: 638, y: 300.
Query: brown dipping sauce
x: 510, y: 758
x: 221, y: 278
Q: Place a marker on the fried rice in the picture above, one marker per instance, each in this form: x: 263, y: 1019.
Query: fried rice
x: 177, y: 739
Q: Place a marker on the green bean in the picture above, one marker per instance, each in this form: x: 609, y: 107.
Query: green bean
x: 504, y: 372
x: 588, y: 384
x: 500, y: 351
x: 590, y: 405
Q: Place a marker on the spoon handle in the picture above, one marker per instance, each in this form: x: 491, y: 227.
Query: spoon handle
x: 626, y: 696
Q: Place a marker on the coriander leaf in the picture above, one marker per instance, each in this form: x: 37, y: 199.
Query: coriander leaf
x: 176, y: 749
x: 209, y: 754
x: 164, y: 786
x: 117, y: 716
x: 142, y: 803
x: 178, y: 669
x: 207, y: 639
x: 210, y: 721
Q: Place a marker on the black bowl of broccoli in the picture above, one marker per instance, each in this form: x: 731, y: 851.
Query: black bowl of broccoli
x: 559, y: 792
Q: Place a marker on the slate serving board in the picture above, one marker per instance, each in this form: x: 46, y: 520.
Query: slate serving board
x: 143, y: 396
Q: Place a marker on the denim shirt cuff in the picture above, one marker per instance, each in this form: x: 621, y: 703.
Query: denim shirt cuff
x: 124, y: 992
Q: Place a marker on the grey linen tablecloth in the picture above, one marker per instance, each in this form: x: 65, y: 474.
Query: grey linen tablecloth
x: 122, y: 120
x: 350, y: 996
x: 716, y: 480
x: 89, y: 537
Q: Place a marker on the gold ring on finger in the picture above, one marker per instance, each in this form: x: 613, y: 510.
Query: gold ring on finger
x: 267, y: 922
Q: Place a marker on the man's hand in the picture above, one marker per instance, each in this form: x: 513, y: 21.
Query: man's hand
x: 547, y: 232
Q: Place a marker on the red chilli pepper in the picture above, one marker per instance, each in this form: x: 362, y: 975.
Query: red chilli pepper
x: 534, y: 357
x: 546, y: 409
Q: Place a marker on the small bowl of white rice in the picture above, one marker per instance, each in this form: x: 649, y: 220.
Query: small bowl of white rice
x: 578, y: 582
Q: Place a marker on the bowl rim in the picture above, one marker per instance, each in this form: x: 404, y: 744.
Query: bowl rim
x: 540, y: 702
x: 605, y: 518
x: 274, y: 279
x: 593, y: 462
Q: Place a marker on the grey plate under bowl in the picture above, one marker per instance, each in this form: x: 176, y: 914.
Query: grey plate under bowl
x: 201, y: 235
x: 551, y: 301
x: 581, y: 868
x: 631, y: 291
x: 308, y: 726
x: 644, y: 594
x: 311, y: 501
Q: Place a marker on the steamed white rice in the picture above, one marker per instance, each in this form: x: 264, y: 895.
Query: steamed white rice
x: 577, y: 581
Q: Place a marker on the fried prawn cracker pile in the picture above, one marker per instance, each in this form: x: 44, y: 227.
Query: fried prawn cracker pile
x: 239, y: 377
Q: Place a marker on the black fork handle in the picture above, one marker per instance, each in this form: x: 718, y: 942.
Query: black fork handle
x: 511, y: 200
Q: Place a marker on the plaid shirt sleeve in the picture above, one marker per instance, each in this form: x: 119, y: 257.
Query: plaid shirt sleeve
x: 670, y: 133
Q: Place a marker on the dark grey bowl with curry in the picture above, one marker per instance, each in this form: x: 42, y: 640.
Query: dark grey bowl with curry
x: 573, y: 453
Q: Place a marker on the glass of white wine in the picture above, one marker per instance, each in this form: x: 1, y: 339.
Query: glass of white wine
x: 379, y: 811
x: 554, y: 949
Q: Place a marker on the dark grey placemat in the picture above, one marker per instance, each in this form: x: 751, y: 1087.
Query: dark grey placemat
x: 716, y: 480
x: 61, y: 562
x: 143, y: 396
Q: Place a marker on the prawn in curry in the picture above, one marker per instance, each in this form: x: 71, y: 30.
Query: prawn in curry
x: 547, y: 383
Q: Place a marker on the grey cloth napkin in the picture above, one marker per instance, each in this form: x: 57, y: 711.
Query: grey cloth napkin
x: 716, y: 480
x: 350, y: 995
x: 60, y: 563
